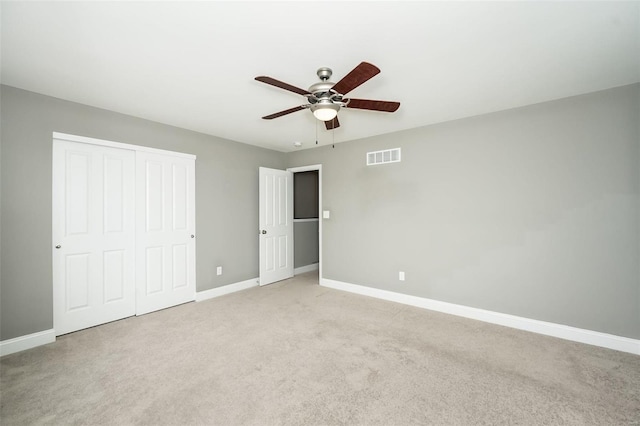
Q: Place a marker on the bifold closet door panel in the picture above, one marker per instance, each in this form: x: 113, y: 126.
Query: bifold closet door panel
x: 93, y: 235
x: 165, y: 228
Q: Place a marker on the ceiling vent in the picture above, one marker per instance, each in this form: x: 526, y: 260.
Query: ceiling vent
x: 383, y: 157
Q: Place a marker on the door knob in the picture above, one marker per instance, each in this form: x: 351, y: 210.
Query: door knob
x: 264, y: 232
x: 58, y: 246
x: 193, y: 236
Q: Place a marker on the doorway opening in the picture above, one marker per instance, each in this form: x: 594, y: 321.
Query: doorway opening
x: 307, y: 221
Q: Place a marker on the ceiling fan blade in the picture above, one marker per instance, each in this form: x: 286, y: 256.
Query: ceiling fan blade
x: 373, y: 105
x: 282, y: 85
x: 332, y: 124
x: 356, y: 77
x: 285, y: 112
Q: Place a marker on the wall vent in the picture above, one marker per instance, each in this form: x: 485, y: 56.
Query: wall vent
x: 383, y: 157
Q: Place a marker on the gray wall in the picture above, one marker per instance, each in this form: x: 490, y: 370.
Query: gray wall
x: 305, y: 195
x: 532, y: 211
x: 305, y: 243
x: 226, y: 198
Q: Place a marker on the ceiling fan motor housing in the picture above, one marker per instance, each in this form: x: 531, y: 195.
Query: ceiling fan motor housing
x: 322, y: 90
x: 321, y: 87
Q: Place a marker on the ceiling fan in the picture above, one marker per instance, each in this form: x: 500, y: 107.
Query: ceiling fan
x: 325, y: 98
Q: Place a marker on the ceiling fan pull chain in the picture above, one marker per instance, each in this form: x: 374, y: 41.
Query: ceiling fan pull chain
x: 316, y: 131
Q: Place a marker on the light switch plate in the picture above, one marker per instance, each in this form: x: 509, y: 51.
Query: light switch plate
x: 326, y: 214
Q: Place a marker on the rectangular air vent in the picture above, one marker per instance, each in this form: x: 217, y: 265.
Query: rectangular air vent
x: 383, y: 157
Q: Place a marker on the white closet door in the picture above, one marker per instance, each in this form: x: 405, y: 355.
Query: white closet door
x: 93, y: 235
x: 165, y: 268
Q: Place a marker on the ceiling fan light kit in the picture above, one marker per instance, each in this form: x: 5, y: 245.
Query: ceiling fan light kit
x: 325, y: 110
x: 325, y: 98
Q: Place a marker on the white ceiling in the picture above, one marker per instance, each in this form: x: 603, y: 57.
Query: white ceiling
x: 192, y: 65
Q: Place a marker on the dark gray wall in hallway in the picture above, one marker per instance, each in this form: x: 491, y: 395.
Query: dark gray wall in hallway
x: 305, y: 195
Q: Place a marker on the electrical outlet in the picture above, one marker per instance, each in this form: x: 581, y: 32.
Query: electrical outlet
x: 401, y: 275
x: 219, y: 270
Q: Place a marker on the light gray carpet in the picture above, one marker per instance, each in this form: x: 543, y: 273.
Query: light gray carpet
x: 300, y: 354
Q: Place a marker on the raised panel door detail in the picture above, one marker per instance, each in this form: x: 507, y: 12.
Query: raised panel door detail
x: 282, y: 253
x: 155, y: 268
x: 281, y: 200
x: 154, y: 196
x: 180, y: 265
x: 114, y: 280
x: 179, y: 198
x: 77, y: 181
x: 77, y: 281
x: 113, y: 174
x: 269, y: 200
x: 270, y: 254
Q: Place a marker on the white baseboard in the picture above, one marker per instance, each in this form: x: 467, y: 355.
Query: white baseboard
x: 226, y: 289
x: 306, y: 268
x: 27, y: 342
x: 589, y: 337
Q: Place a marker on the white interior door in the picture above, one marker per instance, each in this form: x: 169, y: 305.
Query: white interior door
x: 276, y: 225
x: 166, y: 249
x: 93, y: 235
